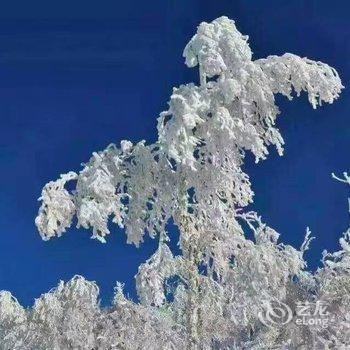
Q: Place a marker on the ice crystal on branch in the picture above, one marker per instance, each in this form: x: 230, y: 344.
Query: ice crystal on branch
x: 192, y: 175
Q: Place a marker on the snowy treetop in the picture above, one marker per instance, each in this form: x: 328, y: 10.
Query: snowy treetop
x: 202, y: 140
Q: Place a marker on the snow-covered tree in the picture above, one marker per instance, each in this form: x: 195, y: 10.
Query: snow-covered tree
x: 216, y: 294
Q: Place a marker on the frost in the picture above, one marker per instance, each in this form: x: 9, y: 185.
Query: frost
x: 153, y: 274
x: 57, y: 209
x: 210, y: 296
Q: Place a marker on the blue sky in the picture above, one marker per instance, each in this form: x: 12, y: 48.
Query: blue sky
x: 76, y: 76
